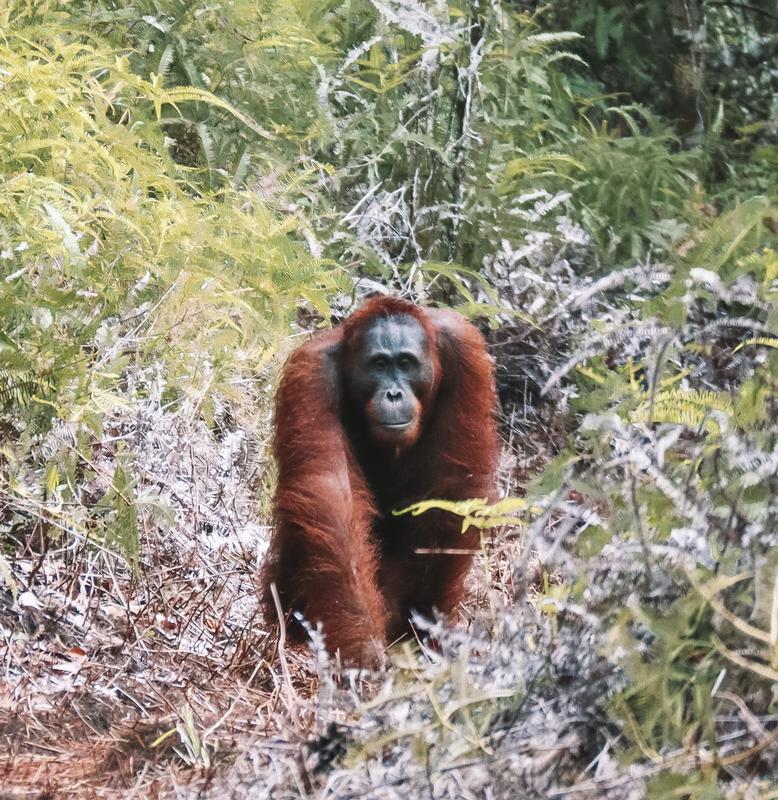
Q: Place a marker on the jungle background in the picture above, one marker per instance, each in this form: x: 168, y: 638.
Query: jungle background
x: 187, y: 189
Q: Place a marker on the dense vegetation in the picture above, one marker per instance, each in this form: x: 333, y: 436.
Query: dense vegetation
x: 187, y: 187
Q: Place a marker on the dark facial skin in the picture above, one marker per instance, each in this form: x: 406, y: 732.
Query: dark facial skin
x: 391, y: 375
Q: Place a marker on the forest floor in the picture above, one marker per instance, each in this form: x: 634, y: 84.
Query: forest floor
x: 162, y: 680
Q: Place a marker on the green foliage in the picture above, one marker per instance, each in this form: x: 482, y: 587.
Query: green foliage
x: 109, y: 256
x: 436, y: 124
x: 100, y: 220
x: 694, y: 409
x: 614, y: 36
x: 446, y: 132
x: 734, y: 233
x: 676, y: 462
x: 729, y: 44
x: 634, y: 188
x: 440, y: 127
x: 261, y: 58
x: 476, y: 512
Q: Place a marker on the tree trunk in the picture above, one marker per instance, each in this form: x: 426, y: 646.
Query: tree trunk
x: 688, y: 21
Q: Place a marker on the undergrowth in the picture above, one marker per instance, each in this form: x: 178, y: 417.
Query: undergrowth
x: 187, y: 191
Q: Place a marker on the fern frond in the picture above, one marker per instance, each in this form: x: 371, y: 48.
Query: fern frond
x: 765, y: 341
x: 17, y: 386
x: 728, y: 232
x: 691, y: 408
x: 160, y: 96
